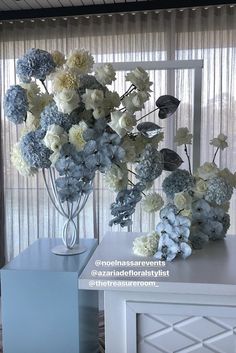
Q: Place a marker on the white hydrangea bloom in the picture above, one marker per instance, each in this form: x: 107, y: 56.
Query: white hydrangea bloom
x: 80, y: 61
x: 116, y: 178
x: 207, y: 171
x: 19, y: 163
x: 67, y: 100
x: 140, y: 79
x: 146, y: 245
x: 152, y: 202
x: 105, y: 74
x: 183, y: 136
x: 219, y: 141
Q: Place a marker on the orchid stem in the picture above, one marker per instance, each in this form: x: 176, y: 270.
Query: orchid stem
x: 215, y: 154
x: 129, y: 90
x: 147, y: 114
x: 189, y: 162
x: 132, y: 172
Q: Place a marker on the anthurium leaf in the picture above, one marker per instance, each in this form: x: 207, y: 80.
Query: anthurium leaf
x: 149, y: 129
x: 167, y: 106
x: 172, y: 160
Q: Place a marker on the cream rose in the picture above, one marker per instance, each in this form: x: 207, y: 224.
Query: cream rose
x: 93, y: 98
x: 182, y: 200
x: 58, y: 58
x: 219, y: 141
x: 67, y: 100
x: 207, y: 171
x: 228, y: 176
x: 140, y: 79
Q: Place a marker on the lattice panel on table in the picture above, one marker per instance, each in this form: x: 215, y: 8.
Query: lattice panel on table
x: 185, y: 334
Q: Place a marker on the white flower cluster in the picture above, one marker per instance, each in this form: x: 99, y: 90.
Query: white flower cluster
x: 152, y: 203
x: 146, y: 245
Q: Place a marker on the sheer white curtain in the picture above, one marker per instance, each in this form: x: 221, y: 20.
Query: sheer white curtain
x: 207, y: 34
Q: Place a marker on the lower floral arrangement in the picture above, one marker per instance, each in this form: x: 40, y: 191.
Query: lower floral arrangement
x: 197, y: 207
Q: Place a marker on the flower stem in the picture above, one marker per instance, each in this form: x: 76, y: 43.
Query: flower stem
x: 132, y: 172
x: 129, y: 90
x: 213, y: 161
x: 189, y: 163
x: 147, y: 114
x: 45, y: 87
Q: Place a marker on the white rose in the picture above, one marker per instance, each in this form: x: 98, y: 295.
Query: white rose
x: 200, y: 188
x: 105, y: 74
x: 140, y: 79
x: 93, y: 98
x: 135, y: 101
x: 116, y: 178
x: 182, y: 200
x: 55, y: 137
x: 76, y: 135
x: 183, y: 137
x: 152, y: 203
x: 112, y: 99
x: 219, y: 141
x: 127, y: 121
x: 19, y: 163
x: 207, y: 171
x: 67, y: 100
x: 146, y: 245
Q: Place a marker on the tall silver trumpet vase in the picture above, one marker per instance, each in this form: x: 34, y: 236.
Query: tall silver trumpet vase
x: 70, y: 211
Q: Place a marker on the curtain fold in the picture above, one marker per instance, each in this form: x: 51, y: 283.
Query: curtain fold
x: 208, y: 34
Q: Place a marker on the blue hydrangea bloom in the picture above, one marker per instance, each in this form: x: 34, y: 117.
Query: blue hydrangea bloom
x: 16, y: 104
x: 213, y: 229
x: 200, y: 210
x: 35, y: 63
x: 150, y: 165
x: 177, y: 181
x: 218, y: 191
x: 35, y: 153
x: 50, y: 115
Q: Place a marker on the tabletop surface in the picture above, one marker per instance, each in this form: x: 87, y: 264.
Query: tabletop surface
x: 212, y: 266
x: 38, y: 257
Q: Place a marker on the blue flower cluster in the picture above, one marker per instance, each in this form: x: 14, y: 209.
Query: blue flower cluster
x: 208, y: 223
x: 150, y: 165
x: 218, y: 191
x: 124, y: 206
x: 50, y: 115
x: 35, y: 63
x: 35, y: 153
x: 177, y: 181
x: 102, y: 148
x: 16, y: 104
x: 174, y: 231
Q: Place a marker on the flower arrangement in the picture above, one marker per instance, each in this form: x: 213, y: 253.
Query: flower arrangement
x: 79, y: 127
x: 197, y: 206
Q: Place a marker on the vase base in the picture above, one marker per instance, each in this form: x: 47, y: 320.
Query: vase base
x: 64, y: 251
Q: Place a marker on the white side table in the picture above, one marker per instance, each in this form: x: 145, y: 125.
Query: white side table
x: 43, y: 311
x: 192, y: 310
